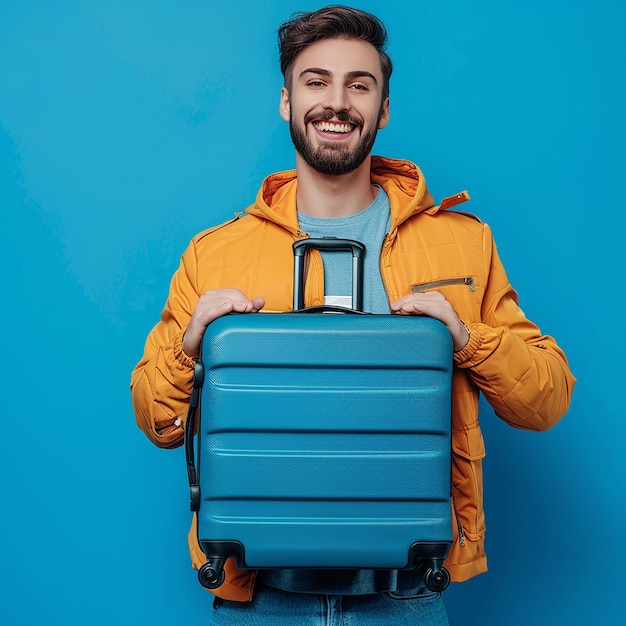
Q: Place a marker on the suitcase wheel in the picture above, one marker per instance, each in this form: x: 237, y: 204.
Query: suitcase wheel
x: 211, y: 575
x: 437, y: 579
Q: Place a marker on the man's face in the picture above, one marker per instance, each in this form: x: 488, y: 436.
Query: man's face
x: 335, y: 105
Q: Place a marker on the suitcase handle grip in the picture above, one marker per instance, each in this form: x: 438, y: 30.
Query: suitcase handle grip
x: 330, y: 308
x: 329, y: 243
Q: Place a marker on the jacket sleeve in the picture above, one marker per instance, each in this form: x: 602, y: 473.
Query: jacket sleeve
x: 162, y: 381
x: 523, y: 374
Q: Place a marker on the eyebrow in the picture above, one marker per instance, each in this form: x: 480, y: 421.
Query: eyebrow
x: 354, y: 74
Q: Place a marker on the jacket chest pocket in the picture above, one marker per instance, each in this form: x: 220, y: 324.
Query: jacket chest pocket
x: 435, y: 285
x: 463, y: 292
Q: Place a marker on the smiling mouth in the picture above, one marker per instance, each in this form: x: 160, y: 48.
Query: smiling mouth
x: 341, y: 128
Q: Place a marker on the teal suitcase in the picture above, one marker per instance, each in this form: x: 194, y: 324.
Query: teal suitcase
x: 323, y: 440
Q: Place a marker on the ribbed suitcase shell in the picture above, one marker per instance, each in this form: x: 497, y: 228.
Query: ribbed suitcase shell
x: 324, y: 440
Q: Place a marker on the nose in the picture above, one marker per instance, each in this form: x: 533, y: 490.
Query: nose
x: 336, y: 98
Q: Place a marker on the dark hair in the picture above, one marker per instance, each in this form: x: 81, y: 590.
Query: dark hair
x: 307, y: 27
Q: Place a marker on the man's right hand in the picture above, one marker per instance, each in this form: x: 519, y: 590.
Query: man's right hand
x: 213, y: 304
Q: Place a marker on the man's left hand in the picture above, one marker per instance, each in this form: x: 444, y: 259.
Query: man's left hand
x: 434, y: 304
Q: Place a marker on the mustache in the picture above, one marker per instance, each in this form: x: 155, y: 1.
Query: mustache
x: 328, y: 114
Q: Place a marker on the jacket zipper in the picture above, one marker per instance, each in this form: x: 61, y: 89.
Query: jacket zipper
x: 459, y: 526
x: 445, y: 282
x: 380, y: 269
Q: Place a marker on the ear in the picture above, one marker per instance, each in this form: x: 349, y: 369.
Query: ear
x: 384, y: 114
x: 285, y: 104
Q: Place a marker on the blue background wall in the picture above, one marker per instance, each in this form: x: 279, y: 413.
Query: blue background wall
x: 126, y: 127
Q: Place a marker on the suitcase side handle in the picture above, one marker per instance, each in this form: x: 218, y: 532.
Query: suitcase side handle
x: 328, y: 243
x: 194, y: 403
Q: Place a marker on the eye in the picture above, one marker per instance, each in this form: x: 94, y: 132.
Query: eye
x: 315, y: 83
x: 359, y: 87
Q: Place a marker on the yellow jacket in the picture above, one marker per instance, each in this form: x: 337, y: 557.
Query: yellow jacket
x: 523, y: 374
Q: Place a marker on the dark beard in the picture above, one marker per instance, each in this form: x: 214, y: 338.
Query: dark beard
x: 330, y: 159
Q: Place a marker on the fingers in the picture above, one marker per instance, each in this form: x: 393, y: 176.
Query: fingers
x: 258, y: 303
x: 219, y: 302
x: 434, y: 304
x: 431, y: 303
x: 211, y: 305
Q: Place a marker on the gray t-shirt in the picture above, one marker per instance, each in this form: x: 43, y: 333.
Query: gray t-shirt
x: 369, y: 227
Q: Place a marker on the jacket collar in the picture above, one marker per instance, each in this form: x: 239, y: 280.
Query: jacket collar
x: 402, y: 180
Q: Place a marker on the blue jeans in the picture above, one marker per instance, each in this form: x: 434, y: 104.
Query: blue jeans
x: 273, y: 607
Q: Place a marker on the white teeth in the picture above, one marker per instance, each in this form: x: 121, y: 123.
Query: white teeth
x: 332, y: 127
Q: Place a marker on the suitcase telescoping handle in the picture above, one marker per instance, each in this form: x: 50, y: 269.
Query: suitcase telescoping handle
x: 328, y: 243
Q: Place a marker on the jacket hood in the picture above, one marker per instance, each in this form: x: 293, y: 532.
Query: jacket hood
x: 405, y: 185
x: 402, y: 180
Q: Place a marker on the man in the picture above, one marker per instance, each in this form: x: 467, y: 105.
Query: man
x: 432, y: 261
